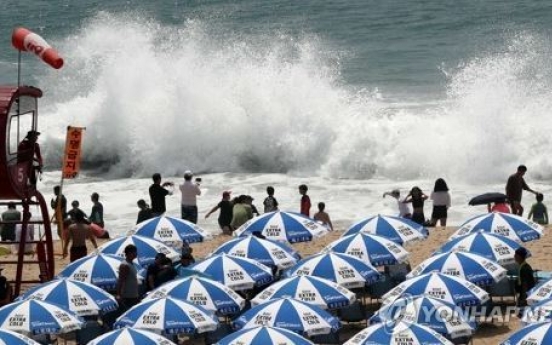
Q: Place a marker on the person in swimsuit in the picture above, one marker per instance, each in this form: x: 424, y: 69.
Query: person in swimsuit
x: 78, y: 233
x: 417, y: 198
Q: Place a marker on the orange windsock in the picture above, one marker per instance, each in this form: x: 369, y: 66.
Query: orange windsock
x: 26, y: 40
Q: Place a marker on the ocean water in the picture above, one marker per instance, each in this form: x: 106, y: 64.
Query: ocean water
x: 351, y: 97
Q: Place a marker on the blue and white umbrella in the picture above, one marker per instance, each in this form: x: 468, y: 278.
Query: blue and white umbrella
x: 171, y: 231
x: 444, y: 318
x: 535, y: 334
x: 38, y: 317
x: 13, y: 338
x: 343, y: 269
x: 512, y: 226
x: 398, y: 230
x: 234, y: 272
x: 283, y: 226
x: 147, y: 249
x: 294, y: 315
x: 451, y: 289
x: 101, y: 270
x: 377, y: 250
x: 316, y: 291
x: 204, y: 292
x: 397, y: 333
x: 267, y: 252
x: 130, y: 336
x: 79, y: 297
x: 541, y: 292
x: 471, y: 267
x: 491, y: 246
x: 168, y: 316
x: 264, y: 335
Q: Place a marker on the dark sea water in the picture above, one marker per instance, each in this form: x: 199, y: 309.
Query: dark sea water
x: 345, y: 89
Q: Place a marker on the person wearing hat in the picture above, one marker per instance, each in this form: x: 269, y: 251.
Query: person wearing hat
x: 225, y: 215
x: 526, y: 279
x: 190, y: 191
x: 28, y: 152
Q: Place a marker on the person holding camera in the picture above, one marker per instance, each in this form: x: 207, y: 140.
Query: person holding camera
x: 158, y: 192
x: 190, y: 190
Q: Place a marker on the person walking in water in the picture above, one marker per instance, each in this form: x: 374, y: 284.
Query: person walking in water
x: 225, y: 216
x: 190, y: 191
x: 158, y: 192
x: 514, y: 189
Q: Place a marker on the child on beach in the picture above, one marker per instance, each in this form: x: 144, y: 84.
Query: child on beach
x: 404, y: 210
x: 539, y: 211
x: 323, y: 217
x: 270, y: 203
x: 305, y: 200
x: 145, y: 212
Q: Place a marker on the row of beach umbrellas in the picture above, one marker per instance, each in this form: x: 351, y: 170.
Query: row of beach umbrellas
x: 310, y: 285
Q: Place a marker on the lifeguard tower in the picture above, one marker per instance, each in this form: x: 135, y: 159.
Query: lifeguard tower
x: 18, y: 116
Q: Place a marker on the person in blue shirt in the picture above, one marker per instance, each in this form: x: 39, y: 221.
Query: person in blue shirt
x: 539, y: 213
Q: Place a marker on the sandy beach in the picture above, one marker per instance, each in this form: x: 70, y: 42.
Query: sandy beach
x: 487, y: 333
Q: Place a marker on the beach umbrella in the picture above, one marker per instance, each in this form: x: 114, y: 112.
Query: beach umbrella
x: 487, y: 198
x: 491, y: 246
x: 13, y: 338
x: 535, y: 334
x: 168, y: 316
x: 512, y: 226
x: 204, y: 292
x: 235, y: 272
x: 171, y: 231
x: 79, y: 297
x: 397, y: 333
x: 101, y: 270
x: 38, y: 317
x: 377, y: 250
x: 471, y: 267
x: 316, y: 291
x: 283, y: 226
x: 343, y: 269
x: 267, y: 252
x: 541, y: 292
x: 538, y: 312
x: 398, y: 230
x: 130, y: 336
x: 444, y: 318
x: 451, y: 289
x: 294, y: 315
x: 263, y: 335
x: 147, y: 249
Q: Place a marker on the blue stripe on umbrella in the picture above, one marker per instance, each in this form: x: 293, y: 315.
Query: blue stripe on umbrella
x: 147, y: 248
x: 13, y: 338
x: 537, y: 334
x: 131, y: 336
x: 264, y: 335
x: 518, y: 228
x: 186, y: 231
x: 378, y: 249
x: 385, y: 229
x: 396, y: 333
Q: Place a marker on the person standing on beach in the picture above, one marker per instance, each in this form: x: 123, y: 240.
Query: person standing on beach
x: 404, y: 210
x: 441, y: 202
x: 128, y: 294
x: 417, y: 198
x: 158, y: 192
x: 75, y: 210
x: 270, y: 203
x: 526, y: 279
x: 225, y: 215
x: 190, y: 190
x: 539, y: 212
x: 9, y: 216
x: 77, y: 234
x: 96, y: 215
x: 305, y: 200
x: 59, y: 198
x: 241, y: 212
x: 514, y: 189
x: 144, y: 213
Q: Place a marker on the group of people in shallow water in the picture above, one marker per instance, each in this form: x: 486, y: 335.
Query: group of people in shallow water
x: 233, y: 212
x: 510, y: 203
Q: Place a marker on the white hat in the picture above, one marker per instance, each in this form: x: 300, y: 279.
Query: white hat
x: 188, y: 173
